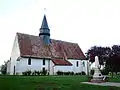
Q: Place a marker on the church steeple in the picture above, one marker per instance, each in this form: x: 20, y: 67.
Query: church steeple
x: 44, y: 23
x: 45, y: 31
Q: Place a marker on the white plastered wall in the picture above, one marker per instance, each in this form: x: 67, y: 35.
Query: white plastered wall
x: 8, y: 67
x: 80, y: 67
x: 14, y: 55
x: 36, y: 64
x: 72, y: 68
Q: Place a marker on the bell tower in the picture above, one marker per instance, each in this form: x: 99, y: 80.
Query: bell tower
x: 45, y: 31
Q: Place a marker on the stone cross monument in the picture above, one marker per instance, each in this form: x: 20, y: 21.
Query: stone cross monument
x: 97, y: 77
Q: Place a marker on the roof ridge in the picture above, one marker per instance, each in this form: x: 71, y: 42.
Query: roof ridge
x: 51, y: 39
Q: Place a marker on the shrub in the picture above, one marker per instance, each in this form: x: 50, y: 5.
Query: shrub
x: 37, y: 72
x: 24, y: 73
x: 66, y: 73
x: 59, y: 73
x: 104, y: 72
x: 79, y: 73
x: 33, y: 73
x: 83, y: 73
x: 44, y: 72
x: 76, y: 74
x: 71, y: 73
x: 4, y: 69
x: 27, y: 73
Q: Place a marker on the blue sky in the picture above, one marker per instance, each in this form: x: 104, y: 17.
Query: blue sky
x: 86, y: 22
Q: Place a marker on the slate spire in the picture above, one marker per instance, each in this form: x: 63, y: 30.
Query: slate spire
x: 45, y: 31
x: 44, y: 23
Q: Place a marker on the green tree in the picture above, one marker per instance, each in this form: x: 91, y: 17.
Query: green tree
x: 101, y: 52
x: 4, y: 68
x: 106, y: 54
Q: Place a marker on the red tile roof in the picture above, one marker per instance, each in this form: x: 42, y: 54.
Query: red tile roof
x: 33, y: 46
x: 62, y: 62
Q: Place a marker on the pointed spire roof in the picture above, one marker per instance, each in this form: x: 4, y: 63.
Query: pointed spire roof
x: 44, y: 23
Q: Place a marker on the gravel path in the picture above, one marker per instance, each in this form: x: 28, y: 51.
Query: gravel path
x: 104, y: 83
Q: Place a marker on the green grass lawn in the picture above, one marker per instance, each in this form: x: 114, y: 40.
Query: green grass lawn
x: 48, y: 83
x: 116, y: 78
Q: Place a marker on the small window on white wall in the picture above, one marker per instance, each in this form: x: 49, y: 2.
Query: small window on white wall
x: 29, y: 61
x: 77, y: 64
x: 43, y: 61
x: 83, y: 64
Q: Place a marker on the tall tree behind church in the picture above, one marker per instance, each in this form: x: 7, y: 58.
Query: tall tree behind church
x: 101, y: 52
x: 106, y: 54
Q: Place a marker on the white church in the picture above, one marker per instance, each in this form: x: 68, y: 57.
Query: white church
x: 40, y: 52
